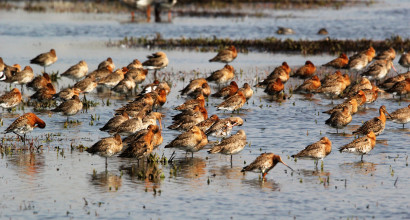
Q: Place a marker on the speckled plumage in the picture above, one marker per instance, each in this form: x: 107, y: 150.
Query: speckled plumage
x: 231, y: 145
x: 264, y: 163
x: 76, y: 71
x: 362, y: 145
x: 317, y: 150
x: 190, y: 141
x: 225, y: 55
x: 10, y: 99
x: 223, y: 75
x: 375, y: 124
x: 223, y: 127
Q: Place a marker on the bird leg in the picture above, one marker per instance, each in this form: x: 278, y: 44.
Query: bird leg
x: 231, y: 160
x: 361, y: 158
x: 106, y: 163
x: 263, y: 176
x: 155, y: 74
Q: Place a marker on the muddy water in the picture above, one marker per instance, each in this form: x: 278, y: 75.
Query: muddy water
x: 67, y: 182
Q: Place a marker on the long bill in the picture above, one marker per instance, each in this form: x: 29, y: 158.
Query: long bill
x: 287, y: 166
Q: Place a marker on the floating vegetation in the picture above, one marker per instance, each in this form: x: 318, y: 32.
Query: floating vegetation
x: 271, y: 44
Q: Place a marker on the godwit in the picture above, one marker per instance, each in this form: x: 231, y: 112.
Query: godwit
x: 21, y: 77
x: 190, y: 104
x: 281, y: 72
x: 338, y: 63
x: 138, y: 75
x: 107, y: 63
x: 86, y: 85
x: 68, y: 93
x: 10, y: 99
x: 126, y: 85
x: 363, y: 84
x: 190, y: 141
x: 378, y: 69
x: 44, y: 94
x: 188, y: 118
x: 45, y: 59
x: 70, y: 107
x: 316, y: 151
x: 195, y: 84
x: 339, y: 119
x: 114, y: 122
x: 247, y: 91
x: 227, y: 91
x: 233, y: 103
x: 25, y: 124
x: 223, y: 127
x: 375, y: 125
x: 107, y: 147
x: 156, y: 61
x: 351, y: 104
x: 360, y: 97
x: 206, y: 124
x: 389, y: 82
x: 306, y: 71
x: 401, y: 116
x: 135, y: 64
x: 225, y: 55
x: 231, y: 145
x: 405, y: 60
x: 100, y: 73
x: 157, y: 139
x: 223, y: 75
x: 39, y: 82
x: 371, y: 94
x: 285, y: 31
x: 113, y: 79
x: 400, y: 88
x: 264, y: 163
x: 361, y: 145
x: 275, y: 88
x: 389, y: 54
x: 9, y: 72
x: 143, y: 146
x: 76, y: 71
x: 309, y: 85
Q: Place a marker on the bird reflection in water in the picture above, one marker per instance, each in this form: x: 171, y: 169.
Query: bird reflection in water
x: 227, y: 172
x: 106, y: 181
x: 29, y: 164
x: 191, y: 168
x: 360, y: 167
x: 147, y: 172
x: 318, y: 175
x: 262, y: 184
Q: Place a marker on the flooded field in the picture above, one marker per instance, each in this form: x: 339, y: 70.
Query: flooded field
x: 63, y: 181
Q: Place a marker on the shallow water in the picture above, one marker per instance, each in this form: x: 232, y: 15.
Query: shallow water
x: 63, y: 182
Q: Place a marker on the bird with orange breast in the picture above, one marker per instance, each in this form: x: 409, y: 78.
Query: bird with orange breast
x: 156, y: 61
x: 143, y: 146
x: 275, y: 88
x: 305, y: 71
x: 360, y: 97
x: 45, y: 59
x: 207, y: 123
x: 338, y: 63
x: 247, y: 91
x: 361, y: 146
x: 231, y: 145
x: 401, y: 116
x: 360, y: 60
x: 317, y: 151
x: 227, y: 91
x: 137, y: 74
x: 371, y: 94
x: 376, y: 124
x: 197, y: 84
x: 67, y: 93
x: 25, y: 124
x: 339, y: 119
x: 39, y: 82
x: 191, y: 103
x: 404, y: 60
x: 363, y: 84
x: 233, y: 103
x: 225, y: 55
x: 107, y: 147
x: 223, y: 75
x: 309, y: 85
x: 389, y: 54
x: 264, y: 163
x: 10, y: 99
x: 76, y: 71
x: 281, y: 72
x: 191, y: 141
x: 44, y: 94
x: 389, y: 82
x: 400, y: 88
x: 334, y: 85
x: 106, y: 63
